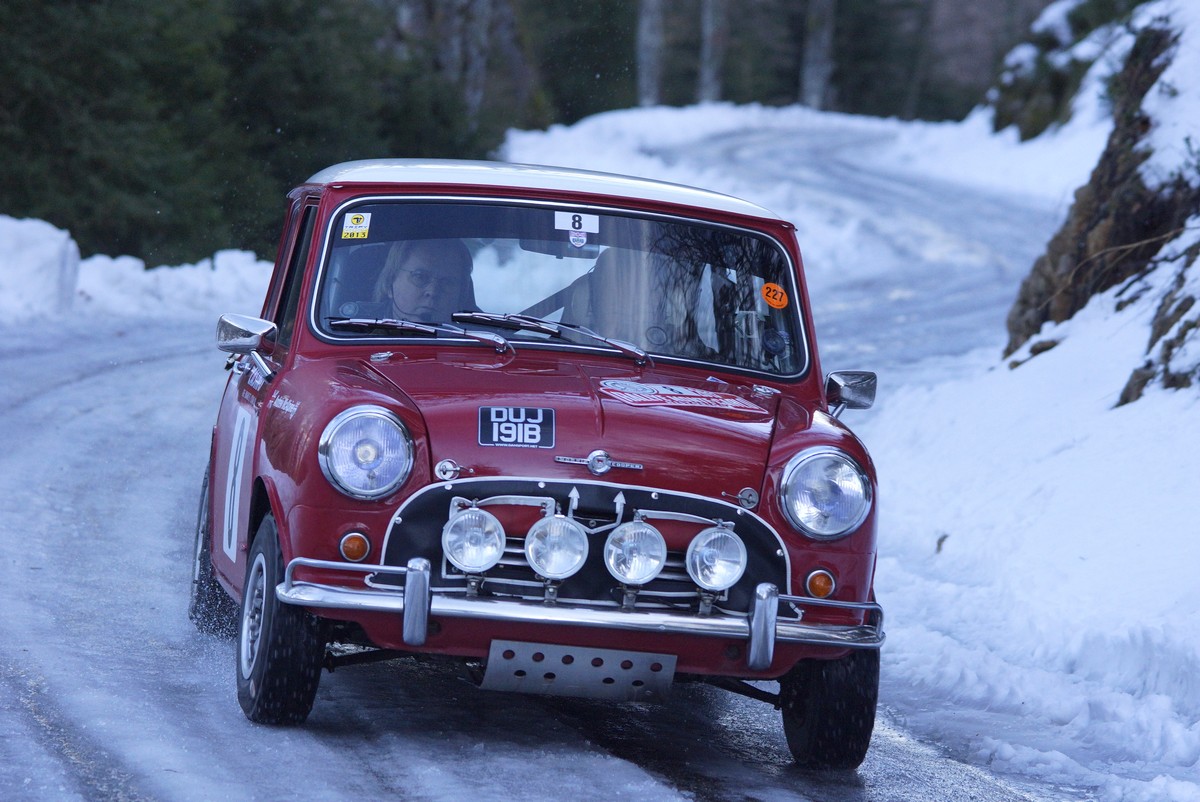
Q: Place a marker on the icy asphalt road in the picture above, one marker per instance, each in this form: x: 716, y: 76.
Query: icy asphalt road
x: 106, y: 692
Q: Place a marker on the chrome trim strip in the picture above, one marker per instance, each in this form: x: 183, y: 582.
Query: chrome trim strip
x: 759, y: 629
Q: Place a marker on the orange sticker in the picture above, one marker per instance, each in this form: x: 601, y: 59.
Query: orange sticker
x: 775, y: 296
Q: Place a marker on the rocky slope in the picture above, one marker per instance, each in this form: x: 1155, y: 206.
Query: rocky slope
x: 1136, y: 223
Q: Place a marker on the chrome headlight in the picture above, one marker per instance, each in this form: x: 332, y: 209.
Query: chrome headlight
x: 635, y: 553
x: 824, y: 493
x: 473, y: 540
x: 556, y: 547
x: 365, y: 452
x: 716, y: 558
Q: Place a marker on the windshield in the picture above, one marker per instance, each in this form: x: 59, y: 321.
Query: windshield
x: 672, y: 288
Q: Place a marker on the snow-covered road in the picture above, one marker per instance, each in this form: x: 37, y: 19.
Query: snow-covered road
x: 108, y: 693
x: 900, y: 268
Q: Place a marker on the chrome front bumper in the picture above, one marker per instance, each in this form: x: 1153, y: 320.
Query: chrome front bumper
x: 762, y: 628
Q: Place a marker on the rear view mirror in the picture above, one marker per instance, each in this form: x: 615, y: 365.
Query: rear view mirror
x: 850, y: 389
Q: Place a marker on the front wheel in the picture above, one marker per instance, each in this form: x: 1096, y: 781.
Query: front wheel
x: 279, y: 646
x: 209, y: 606
x: 829, y: 709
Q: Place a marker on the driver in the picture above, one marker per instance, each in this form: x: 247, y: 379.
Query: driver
x: 426, y: 280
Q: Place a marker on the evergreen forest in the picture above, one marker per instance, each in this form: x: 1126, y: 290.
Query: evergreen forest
x: 171, y: 129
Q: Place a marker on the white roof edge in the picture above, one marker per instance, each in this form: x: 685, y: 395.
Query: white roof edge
x: 531, y: 176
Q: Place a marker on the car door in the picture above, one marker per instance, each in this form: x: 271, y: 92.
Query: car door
x: 234, y: 465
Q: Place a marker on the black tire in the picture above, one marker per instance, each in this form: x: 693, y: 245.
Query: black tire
x: 210, y: 608
x: 829, y: 710
x: 280, y: 647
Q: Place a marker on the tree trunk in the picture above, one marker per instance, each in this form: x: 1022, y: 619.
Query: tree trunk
x: 650, y: 42
x: 920, y: 67
x: 713, y: 38
x: 817, y: 66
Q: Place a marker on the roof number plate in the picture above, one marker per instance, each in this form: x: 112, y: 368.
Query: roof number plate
x: 517, y: 427
x: 574, y: 221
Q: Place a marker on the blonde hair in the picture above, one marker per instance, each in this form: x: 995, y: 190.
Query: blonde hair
x: 447, y: 254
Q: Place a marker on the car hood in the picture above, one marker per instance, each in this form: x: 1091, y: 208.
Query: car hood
x: 660, y: 428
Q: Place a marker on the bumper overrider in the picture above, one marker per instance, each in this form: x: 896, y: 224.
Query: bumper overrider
x: 420, y: 584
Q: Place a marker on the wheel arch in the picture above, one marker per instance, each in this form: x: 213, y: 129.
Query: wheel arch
x: 264, y: 500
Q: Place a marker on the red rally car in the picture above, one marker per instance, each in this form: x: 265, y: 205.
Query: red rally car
x: 565, y: 428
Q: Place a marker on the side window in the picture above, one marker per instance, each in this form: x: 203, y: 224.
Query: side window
x: 285, y: 317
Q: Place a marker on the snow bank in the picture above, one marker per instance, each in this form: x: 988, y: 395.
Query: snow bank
x: 1174, y: 103
x: 41, y: 273
x: 1038, y: 558
x: 231, y: 281
x: 38, y: 268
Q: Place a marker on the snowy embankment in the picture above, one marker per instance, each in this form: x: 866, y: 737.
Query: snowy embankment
x: 1038, y: 545
x: 42, y: 276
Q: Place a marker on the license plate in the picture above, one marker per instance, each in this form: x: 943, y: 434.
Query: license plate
x: 517, y: 427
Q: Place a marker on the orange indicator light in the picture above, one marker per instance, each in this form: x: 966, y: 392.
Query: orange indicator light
x: 820, y: 584
x: 355, y: 547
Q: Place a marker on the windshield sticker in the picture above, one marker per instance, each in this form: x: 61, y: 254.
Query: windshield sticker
x: 356, y: 225
x: 517, y: 427
x: 573, y: 221
x: 577, y: 238
x: 775, y: 296
x: 636, y: 394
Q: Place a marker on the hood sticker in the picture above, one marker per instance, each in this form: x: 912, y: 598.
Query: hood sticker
x: 636, y: 394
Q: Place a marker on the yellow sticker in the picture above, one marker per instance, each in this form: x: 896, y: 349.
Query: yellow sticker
x: 356, y: 225
x: 774, y: 295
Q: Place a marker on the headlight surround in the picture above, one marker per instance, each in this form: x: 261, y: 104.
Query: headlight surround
x: 366, y: 452
x: 556, y: 547
x: 473, y: 540
x: 716, y: 558
x: 635, y: 553
x: 824, y: 493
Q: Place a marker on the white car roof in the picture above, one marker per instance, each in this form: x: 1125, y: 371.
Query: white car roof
x: 530, y: 176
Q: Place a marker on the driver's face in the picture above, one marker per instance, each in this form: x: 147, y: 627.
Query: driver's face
x: 423, y: 291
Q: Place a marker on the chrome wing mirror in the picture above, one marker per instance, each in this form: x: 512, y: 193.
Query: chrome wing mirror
x: 244, y: 335
x: 850, y: 389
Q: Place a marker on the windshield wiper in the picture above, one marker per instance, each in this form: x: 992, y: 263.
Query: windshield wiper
x: 517, y: 322
x: 411, y: 327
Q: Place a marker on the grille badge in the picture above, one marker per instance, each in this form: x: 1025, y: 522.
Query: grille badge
x: 599, y: 462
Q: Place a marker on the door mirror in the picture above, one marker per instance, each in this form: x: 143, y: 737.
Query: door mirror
x: 850, y: 389
x: 242, y: 334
